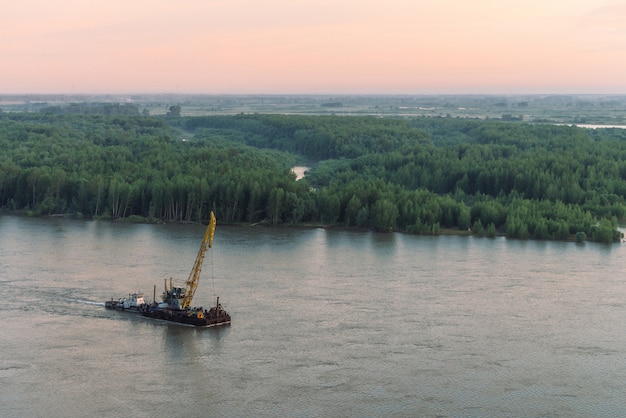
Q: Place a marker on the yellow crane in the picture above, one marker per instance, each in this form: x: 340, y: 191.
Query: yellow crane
x: 194, y: 276
x: 179, y: 298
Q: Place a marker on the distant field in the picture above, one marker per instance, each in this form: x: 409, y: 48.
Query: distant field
x: 579, y: 109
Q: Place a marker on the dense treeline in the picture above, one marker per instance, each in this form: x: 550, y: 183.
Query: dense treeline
x: 315, y: 137
x: 116, y: 109
x: 132, y: 166
x: 544, y: 181
x: 413, y: 175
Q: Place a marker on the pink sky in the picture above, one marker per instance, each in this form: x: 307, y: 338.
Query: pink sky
x: 313, y: 46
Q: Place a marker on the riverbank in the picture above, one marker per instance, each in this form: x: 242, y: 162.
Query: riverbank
x: 305, y: 225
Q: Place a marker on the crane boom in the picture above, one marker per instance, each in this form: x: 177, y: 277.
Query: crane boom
x: 194, y: 276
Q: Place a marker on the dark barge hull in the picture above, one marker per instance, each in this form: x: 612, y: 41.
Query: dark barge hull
x: 185, y: 318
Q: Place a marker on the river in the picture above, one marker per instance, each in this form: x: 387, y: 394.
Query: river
x: 325, y: 323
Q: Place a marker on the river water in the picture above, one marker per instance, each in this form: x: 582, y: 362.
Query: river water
x: 325, y: 323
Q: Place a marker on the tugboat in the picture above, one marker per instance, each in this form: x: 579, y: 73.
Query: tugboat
x: 132, y: 303
x: 176, y: 305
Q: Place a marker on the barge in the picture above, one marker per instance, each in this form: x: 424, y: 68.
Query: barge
x: 196, y: 317
x: 176, y: 300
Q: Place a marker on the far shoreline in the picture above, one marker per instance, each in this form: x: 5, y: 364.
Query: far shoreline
x: 133, y: 219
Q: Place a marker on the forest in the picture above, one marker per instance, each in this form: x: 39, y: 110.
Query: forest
x: 422, y: 175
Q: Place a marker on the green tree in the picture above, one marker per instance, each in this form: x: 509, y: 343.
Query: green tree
x: 385, y: 214
x: 464, y: 220
x: 275, y: 204
x: 352, y: 210
x: 174, y: 111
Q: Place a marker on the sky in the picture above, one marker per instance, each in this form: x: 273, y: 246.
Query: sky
x: 313, y: 47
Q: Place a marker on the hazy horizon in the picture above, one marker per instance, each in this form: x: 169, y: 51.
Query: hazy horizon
x: 322, y: 47
x: 131, y: 94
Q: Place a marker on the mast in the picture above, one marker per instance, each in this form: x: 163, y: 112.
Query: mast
x: 194, y: 276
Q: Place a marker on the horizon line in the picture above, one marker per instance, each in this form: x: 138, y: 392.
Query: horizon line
x: 165, y: 93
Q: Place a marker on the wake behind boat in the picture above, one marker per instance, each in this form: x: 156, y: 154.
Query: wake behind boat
x: 176, y: 304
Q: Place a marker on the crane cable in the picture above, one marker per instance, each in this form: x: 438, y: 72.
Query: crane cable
x: 212, y: 274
